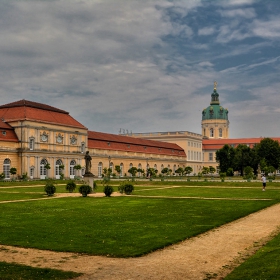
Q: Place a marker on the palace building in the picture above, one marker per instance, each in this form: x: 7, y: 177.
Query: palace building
x: 201, y: 148
x: 43, y: 141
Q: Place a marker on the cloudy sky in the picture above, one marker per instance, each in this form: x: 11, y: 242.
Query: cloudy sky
x: 145, y: 66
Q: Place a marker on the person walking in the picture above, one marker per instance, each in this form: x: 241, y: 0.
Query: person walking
x: 263, y: 182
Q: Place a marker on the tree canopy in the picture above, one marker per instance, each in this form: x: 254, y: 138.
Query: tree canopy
x: 264, y: 155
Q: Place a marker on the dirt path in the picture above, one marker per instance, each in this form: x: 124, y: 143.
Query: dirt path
x: 216, y: 252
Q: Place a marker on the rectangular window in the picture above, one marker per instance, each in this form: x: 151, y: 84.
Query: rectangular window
x: 99, y: 169
x: 31, y: 144
x: 210, y: 156
x: 83, y: 148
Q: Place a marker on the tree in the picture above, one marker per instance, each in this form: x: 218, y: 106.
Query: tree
x: 230, y: 172
x: 48, y: 167
x: 222, y: 176
x: 118, y: 169
x: 205, y: 170
x: 164, y: 170
x: 270, y: 170
x: 180, y: 171
x: 225, y: 157
x: 142, y: 171
x: 188, y: 170
x: 269, y: 150
x: 13, y: 171
x: 248, y: 170
x: 152, y: 171
x: 243, y: 157
x: 132, y: 171
x: 77, y: 167
x: 61, y: 167
x: 107, y: 172
x: 212, y: 170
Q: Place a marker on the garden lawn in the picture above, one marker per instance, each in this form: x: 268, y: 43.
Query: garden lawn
x: 116, y: 226
x: 9, y: 271
x: 19, y: 196
x: 264, y: 265
x: 210, y: 192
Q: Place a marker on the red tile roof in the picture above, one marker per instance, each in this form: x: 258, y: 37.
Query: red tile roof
x: 28, y: 110
x: 26, y: 103
x: 106, y: 141
x: 215, y: 144
x: 7, y: 133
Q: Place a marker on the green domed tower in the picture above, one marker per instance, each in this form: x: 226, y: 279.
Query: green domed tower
x: 215, y: 123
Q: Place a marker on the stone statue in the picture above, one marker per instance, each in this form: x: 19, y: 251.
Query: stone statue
x: 215, y: 85
x: 88, y: 162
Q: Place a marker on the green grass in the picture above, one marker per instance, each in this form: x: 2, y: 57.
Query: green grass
x: 133, y: 226
x: 19, y: 196
x: 9, y: 271
x: 9, y: 193
x: 264, y: 265
x: 116, y: 226
x: 210, y: 192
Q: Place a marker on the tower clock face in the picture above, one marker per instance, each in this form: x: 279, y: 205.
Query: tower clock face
x: 44, y: 137
x: 59, y: 139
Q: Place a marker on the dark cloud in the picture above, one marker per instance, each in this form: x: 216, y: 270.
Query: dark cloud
x: 142, y: 65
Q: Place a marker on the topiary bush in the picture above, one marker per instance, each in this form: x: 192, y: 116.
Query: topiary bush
x: 50, y: 188
x: 85, y: 190
x: 128, y: 188
x: 108, y: 190
x: 71, y: 186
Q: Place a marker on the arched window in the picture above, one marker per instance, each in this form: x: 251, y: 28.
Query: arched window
x: 43, y: 170
x: 6, y: 168
x: 121, y: 167
x: 220, y: 132
x: 130, y: 166
x: 211, y: 132
x: 100, y: 168
x: 72, y: 170
x: 139, y: 167
x: 57, y: 171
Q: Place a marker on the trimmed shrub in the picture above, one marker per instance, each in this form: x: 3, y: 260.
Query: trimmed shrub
x: 50, y: 188
x: 128, y: 188
x: 85, y: 190
x: 108, y: 190
x: 71, y: 186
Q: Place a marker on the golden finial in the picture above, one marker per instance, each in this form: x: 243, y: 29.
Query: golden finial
x: 215, y: 85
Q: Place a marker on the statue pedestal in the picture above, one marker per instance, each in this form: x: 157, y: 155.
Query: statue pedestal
x: 88, y: 178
